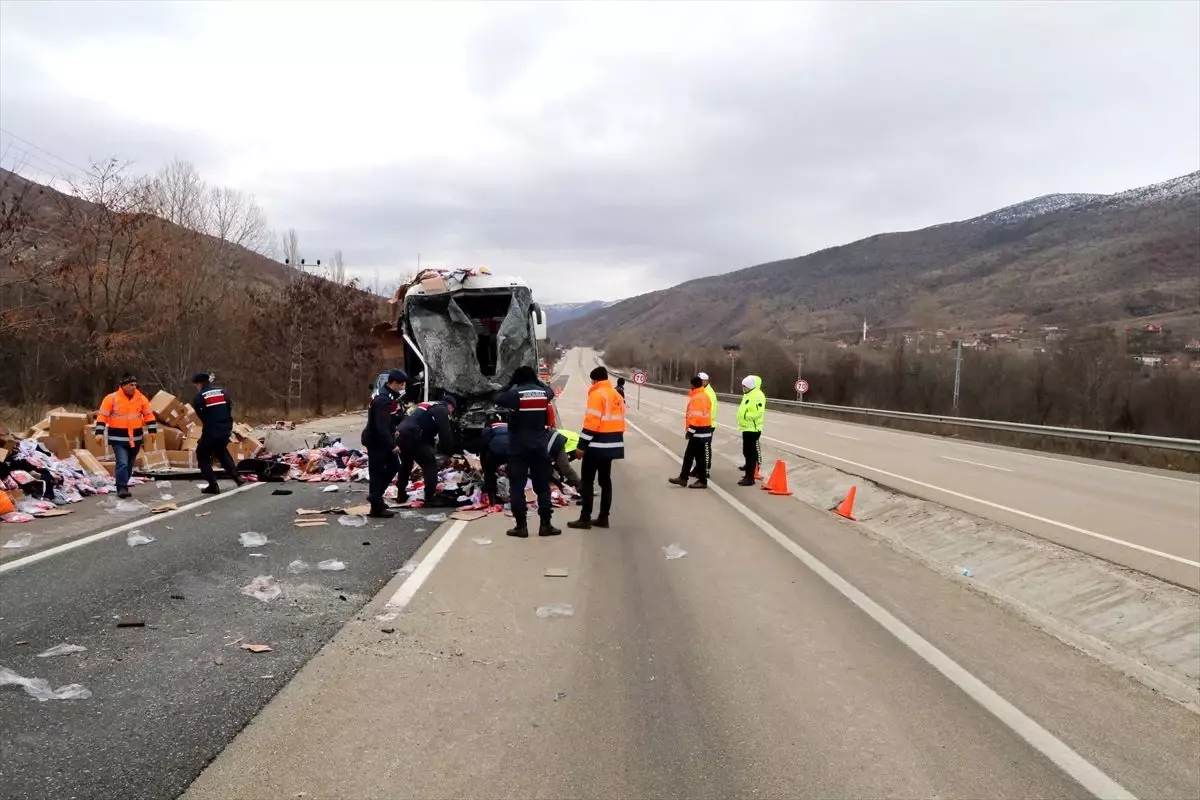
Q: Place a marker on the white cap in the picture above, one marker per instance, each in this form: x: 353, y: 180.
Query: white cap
x: 703, y: 376
x: 748, y: 382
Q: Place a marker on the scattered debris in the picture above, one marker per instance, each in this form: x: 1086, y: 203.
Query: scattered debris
x: 136, y: 538
x: 166, y: 497
x: 361, y: 511
x: 131, y: 622
x: 409, y: 567
x: 297, y: 567
x: 128, y: 506
x: 388, y: 630
x: 555, y: 572
x: 257, y: 648
x: 436, y: 518
x: 263, y: 588
x: 257, y: 555
x: 39, y: 688
x: 164, y: 508
x: 305, y: 512
x: 332, y: 565
x: 366, y: 544
x: 673, y: 552
x: 352, y: 521
x: 62, y: 650
x: 18, y: 541
x: 468, y: 516
x: 310, y: 523
x: 560, y: 696
x: 481, y: 541
x: 252, y: 539
x: 966, y: 573
x: 176, y: 597
x: 203, y: 513
x: 279, y: 492
x: 556, y: 610
x: 333, y: 488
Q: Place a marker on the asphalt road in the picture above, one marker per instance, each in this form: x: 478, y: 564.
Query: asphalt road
x: 748, y: 667
x: 1139, y: 518
x: 167, y: 697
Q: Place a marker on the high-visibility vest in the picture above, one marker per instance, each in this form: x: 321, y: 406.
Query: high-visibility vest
x: 126, y: 419
x: 603, y: 432
x: 699, y: 414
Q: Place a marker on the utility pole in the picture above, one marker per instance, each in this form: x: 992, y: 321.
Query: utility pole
x: 799, y: 372
x: 957, y: 372
x: 732, y: 350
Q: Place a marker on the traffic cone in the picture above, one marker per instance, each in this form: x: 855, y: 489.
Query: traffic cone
x: 777, y: 483
x: 846, y: 507
x: 758, y: 472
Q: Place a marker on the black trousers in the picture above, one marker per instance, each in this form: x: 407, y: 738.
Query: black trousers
x: 693, y: 458
x: 215, y: 446
x: 491, y: 467
x: 382, y: 466
x: 751, y: 451
x: 414, y: 450
x: 532, y: 465
x: 595, y: 467
x: 707, y: 461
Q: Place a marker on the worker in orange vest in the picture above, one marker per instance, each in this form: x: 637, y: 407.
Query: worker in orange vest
x: 698, y: 426
x: 127, y: 420
x: 601, y: 442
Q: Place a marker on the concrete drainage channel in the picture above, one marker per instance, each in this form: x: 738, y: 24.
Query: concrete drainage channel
x: 1145, y: 627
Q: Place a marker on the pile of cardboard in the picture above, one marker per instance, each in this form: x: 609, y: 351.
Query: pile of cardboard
x: 67, y: 434
x: 178, y: 433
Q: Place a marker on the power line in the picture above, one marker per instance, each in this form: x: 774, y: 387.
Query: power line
x: 44, y: 151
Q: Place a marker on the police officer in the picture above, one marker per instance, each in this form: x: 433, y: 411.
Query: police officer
x: 563, y: 444
x: 428, y: 423
x: 493, y: 454
x: 528, y: 441
x: 379, y: 437
x: 214, y: 408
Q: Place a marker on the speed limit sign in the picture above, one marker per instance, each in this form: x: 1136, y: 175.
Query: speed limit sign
x: 801, y: 386
x: 639, y: 377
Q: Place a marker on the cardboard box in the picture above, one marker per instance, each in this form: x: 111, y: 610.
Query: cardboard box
x: 151, y: 446
x: 100, y: 449
x: 434, y: 285
x: 250, y: 446
x: 90, y: 463
x: 153, y: 459
x: 69, y: 426
x: 172, y: 438
x: 242, y: 431
x: 168, y: 409
x: 190, y: 443
x: 57, y: 445
x: 181, y: 459
x: 190, y: 419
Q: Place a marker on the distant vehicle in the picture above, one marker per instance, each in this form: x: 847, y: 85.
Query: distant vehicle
x: 464, y: 332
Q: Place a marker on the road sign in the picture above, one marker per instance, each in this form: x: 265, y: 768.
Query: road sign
x: 801, y: 386
x: 639, y: 377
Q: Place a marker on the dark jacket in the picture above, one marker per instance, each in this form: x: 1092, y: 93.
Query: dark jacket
x: 430, y: 421
x: 530, y: 403
x: 214, y: 407
x: 495, y: 439
x: 382, y: 419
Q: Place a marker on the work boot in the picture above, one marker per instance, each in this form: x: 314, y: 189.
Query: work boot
x: 439, y: 501
x: 698, y: 484
x: 212, y: 488
x: 123, y: 493
x: 581, y: 524
x: 239, y: 481
x: 520, y: 530
x: 548, y: 529
x: 600, y: 522
x: 678, y: 481
x: 380, y: 512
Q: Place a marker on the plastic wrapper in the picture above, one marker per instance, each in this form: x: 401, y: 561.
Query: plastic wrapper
x: 252, y: 539
x: 21, y: 539
x: 352, y: 520
x: 297, y: 567
x: 137, y: 539
x: 331, y: 565
x: 39, y: 688
x: 62, y: 650
x: 264, y: 588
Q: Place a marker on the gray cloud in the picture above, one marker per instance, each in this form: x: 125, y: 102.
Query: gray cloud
x: 665, y: 163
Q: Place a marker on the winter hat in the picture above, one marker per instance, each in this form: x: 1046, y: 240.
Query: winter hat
x: 397, y: 376
x: 703, y: 376
x: 748, y: 382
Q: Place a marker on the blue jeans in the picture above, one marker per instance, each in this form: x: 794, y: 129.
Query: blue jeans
x: 126, y: 455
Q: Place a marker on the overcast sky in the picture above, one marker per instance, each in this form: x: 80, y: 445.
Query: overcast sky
x: 604, y: 150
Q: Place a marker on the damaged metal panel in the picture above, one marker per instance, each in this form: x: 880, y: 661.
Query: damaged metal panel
x: 450, y: 340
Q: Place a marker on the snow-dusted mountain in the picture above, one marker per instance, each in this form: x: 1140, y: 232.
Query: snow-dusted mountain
x: 557, y: 313
x: 1046, y: 204
x: 1182, y: 186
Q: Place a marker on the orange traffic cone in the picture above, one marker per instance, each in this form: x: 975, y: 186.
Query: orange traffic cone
x: 846, y: 507
x: 777, y: 483
x: 758, y: 472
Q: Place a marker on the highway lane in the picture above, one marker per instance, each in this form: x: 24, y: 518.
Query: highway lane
x: 1153, y: 518
x: 167, y: 697
x: 738, y: 670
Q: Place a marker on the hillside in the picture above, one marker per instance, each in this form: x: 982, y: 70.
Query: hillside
x: 1063, y: 259
x: 47, y: 228
x: 558, y: 313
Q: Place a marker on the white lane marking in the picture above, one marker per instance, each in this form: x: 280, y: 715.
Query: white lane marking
x: 997, y: 506
x: 841, y: 436
x: 1014, y: 452
x: 975, y: 463
x: 412, y: 583
x: 137, y: 523
x: 1057, y: 751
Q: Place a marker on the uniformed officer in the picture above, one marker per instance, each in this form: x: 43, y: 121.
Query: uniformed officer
x: 493, y: 454
x: 528, y: 437
x: 379, y: 438
x: 428, y: 423
x: 563, y: 444
x: 214, y: 407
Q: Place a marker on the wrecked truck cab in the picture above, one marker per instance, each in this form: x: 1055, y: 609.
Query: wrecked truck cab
x: 464, y: 333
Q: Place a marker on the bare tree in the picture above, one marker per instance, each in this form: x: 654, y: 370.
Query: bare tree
x: 180, y: 195
x: 237, y: 219
x: 337, y: 268
x: 291, y: 248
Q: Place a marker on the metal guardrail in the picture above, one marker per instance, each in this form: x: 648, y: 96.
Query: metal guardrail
x: 1110, y: 437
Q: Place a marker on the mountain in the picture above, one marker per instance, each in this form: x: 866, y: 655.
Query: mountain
x: 558, y: 313
x: 1062, y: 259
